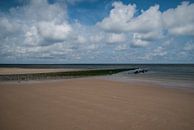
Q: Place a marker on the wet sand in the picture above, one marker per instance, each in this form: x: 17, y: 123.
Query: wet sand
x: 4, y: 71
x: 94, y: 104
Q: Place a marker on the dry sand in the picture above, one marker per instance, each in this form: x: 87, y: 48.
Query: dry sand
x: 94, y: 104
x: 30, y: 70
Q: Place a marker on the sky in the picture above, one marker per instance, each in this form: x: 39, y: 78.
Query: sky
x: 96, y: 31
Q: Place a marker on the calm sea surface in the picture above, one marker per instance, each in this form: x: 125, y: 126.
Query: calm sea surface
x: 179, y: 75
x: 174, y: 72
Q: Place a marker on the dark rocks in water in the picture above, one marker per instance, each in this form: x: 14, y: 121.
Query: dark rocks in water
x: 140, y: 71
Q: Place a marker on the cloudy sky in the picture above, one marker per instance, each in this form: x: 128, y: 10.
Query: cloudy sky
x: 96, y: 31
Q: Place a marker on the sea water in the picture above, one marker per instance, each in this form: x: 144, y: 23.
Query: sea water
x: 171, y: 75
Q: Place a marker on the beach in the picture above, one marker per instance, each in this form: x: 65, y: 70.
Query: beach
x: 94, y: 104
x: 8, y: 70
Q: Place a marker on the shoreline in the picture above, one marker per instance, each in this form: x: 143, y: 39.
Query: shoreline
x: 62, y: 75
x: 20, y: 70
x: 182, y: 85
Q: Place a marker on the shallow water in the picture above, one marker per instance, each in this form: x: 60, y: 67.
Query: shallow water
x: 168, y: 75
x: 171, y: 72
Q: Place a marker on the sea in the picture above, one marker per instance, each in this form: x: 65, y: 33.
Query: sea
x: 170, y: 75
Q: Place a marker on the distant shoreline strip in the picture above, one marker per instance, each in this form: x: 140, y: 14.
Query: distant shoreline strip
x: 61, y: 75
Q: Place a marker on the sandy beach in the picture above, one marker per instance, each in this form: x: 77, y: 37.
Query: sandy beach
x: 4, y: 71
x: 94, y: 104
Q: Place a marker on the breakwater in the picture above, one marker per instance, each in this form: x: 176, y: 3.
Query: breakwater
x: 60, y: 75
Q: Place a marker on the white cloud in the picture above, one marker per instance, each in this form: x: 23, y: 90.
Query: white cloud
x: 159, y: 51
x: 189, y: 46
x: 156, y: 53
x: 116, y: 38
x: 143, y: 39
x: 138, y: 42
x: 121, y: 47
x: 96, y: 38
x: 122, y: 19
x: 77, y: 1
x: 40, y: 10
x: 8, y: 26
x: 26, y: 29
x: 151, y: 24
x: 31, y: 36
x: 38, y: 2
x: 39, y: 22
x: 147, y: 21
x: 81, y: 39
x: 144, y: 28
x: 53, y: 32
x: 180, y: 21
x: 119, y: 18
